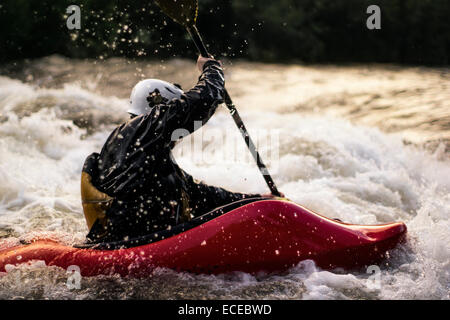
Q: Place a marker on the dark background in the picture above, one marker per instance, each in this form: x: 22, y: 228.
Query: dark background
x: 309, y: 31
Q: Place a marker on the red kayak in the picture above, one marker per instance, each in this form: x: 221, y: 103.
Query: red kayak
x: 263, y: 235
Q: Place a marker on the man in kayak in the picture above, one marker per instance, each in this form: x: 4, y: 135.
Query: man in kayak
x: 134, y: 187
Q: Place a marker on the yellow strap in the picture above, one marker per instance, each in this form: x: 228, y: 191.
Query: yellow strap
x: 186, y: 210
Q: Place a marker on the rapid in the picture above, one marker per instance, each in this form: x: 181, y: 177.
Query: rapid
x: 365, y: 144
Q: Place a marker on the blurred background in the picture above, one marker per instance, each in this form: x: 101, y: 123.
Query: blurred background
x: 311, y: 31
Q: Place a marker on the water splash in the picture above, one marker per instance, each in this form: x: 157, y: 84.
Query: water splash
x: 356, y: 173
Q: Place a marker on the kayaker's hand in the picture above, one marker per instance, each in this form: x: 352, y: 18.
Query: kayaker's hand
x: 201, y: 62
x: 269, y: 195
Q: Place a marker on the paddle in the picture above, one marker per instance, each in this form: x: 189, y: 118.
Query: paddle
x: 185, y: 13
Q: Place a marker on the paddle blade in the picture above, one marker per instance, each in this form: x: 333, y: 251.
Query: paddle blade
x: 182, y: 11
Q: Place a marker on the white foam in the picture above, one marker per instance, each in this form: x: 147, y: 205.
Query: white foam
x: 355, y: 173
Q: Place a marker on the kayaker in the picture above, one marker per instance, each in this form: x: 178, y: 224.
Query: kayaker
x: 134, y: 187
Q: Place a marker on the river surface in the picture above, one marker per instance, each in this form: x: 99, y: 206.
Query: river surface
x: 365, y: 144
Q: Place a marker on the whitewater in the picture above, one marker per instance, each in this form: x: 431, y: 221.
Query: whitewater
x: 365, y: 144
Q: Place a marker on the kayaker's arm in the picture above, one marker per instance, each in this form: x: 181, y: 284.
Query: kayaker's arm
x: 220, y: 196
x: 167, y: 123
x: 205, y: 198
x: 196, y: 106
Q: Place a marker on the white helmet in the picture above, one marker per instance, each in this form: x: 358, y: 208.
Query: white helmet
x: 141, y: 91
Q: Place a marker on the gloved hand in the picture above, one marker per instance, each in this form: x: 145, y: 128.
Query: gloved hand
x: 201, y: 62
x: 269, y: 195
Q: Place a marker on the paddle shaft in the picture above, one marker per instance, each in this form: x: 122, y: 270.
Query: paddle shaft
x: 195, y: 35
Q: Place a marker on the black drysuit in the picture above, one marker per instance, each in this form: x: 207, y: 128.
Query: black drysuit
x: 135, y: 167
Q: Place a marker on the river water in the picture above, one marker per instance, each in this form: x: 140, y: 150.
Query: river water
x: 365, y: 144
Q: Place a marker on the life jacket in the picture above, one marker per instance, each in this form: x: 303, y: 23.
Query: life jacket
x: 95, y: 203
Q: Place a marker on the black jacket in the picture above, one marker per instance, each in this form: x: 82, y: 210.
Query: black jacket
x: 136, y: 167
